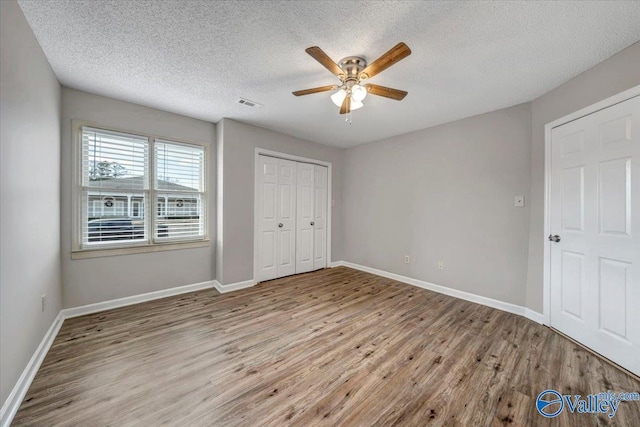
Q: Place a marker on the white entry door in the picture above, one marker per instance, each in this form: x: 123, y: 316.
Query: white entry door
x: 276, y: 212
x: 305, y: 223
x: 320, y: 217
x: 595, y: 226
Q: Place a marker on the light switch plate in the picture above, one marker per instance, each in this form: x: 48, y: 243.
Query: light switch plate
x: 519, y: 202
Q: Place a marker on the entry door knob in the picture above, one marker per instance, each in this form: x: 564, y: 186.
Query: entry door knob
x: 280, y: 225
x: 312, y: 223
x: 554, y: 238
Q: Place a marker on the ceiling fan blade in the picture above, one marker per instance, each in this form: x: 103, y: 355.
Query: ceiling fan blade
x: 319, y: 55
x: 346, y: 105
x: 315, y: 90
x: 395, y: 54
x: 387, y: 92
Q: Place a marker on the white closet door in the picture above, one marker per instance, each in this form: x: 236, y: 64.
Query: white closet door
x: 320, y: 218
x: 267, y: 211
x: 595, y: 241
x: 286, y: 258
x: 305, y: 219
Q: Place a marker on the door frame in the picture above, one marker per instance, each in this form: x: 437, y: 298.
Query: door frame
x: 256, y: 184
x: 601, y: 105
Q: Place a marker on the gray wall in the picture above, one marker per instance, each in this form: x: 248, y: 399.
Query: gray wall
x: 29, y: 195
x: 239, y: 142
x: 612, y: 76
x: 445, y: 193
x: 93, y: 280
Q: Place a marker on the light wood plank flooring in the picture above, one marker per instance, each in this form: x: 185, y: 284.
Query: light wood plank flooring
x: 334, y: 347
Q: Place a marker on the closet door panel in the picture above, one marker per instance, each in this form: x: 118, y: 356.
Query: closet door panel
x: 267, y: 218
x: 320, y: 213
x: 305, y: 214
x: 286, y: 217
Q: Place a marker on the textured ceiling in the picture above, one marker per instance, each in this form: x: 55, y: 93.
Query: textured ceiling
x: 198, y: 57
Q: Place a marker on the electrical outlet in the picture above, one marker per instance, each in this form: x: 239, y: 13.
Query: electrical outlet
x: 407, y: 260
x: 44, y: 301
x: 440, y: 265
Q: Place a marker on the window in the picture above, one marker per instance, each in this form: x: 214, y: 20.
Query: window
x: 137, y: 208
x: 123, y: 174
x: 179, y: 177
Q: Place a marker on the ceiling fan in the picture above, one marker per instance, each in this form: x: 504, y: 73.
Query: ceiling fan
x: 353, y: 72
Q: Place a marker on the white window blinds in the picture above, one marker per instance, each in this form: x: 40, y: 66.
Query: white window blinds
x: 115, y: 174
x: 180, y: 187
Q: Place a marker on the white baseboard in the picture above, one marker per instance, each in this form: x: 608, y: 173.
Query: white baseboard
x: 336, y: 264
x: 135, y: 299
x: 233, y: 286
x: 489, y: 302
x: 11, y: 405
x: 534, y: 315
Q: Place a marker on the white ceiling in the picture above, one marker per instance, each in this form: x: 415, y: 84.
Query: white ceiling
x: 198, y: 57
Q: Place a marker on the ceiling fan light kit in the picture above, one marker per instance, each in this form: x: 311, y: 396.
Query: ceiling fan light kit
x: 353, y: 71
x: 339, y: 96
x: 358, y: 92
x: 357, y: 95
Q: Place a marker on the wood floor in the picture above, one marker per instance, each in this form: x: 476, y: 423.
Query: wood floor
x: 334, y: 347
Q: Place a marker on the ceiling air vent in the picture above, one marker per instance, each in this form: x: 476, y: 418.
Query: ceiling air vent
x: 249, y: 103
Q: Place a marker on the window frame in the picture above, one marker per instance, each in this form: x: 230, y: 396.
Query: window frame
x: 167, y: 209
x: 153, y: 244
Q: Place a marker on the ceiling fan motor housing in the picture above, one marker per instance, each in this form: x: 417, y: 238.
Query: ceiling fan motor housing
x: 352, y: 66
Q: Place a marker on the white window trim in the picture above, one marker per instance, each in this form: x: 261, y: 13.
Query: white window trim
x: 78, y: 252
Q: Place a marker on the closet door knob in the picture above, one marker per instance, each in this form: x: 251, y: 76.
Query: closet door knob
x: 312, y: 223
x: 280, y: 225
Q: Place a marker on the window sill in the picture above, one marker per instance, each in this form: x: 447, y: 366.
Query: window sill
x: 158, y: 247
